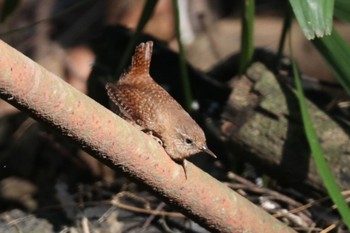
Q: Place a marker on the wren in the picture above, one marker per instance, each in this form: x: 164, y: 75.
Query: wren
x: 145, y: 104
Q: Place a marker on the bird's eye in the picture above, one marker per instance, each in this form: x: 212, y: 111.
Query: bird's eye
x: 188, y: 141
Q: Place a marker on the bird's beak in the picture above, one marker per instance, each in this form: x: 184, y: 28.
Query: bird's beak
x: 209, y: 152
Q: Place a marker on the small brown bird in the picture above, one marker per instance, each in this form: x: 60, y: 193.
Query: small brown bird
x: 142, y: 102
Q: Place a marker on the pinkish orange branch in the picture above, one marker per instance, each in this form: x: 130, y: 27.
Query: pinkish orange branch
x: 113, y: 141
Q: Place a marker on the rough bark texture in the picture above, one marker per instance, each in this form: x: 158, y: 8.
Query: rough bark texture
x: 262, y: 119
x: 114, y: 142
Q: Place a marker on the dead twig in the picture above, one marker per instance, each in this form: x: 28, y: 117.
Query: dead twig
x: 147, y: 210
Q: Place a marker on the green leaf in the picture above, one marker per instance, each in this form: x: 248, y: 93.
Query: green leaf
x: 147, y: 13
x: 319, y: 158
x: 314, y: 16
x: 317, y: 153
x: 336, y: 52
x: 182, y: 61
x: 247, y: 35
x: 287, y: 24
x: 8, y: 7
x: 342, y: 10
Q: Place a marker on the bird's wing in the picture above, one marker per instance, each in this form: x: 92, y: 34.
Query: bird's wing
x: 129, y: 102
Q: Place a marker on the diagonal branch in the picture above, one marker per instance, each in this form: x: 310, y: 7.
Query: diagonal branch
x: 114, y: 142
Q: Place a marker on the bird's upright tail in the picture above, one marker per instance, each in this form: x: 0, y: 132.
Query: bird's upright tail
x: 141, y: 60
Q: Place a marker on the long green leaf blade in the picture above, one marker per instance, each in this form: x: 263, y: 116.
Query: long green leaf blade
x: 247, y: 35
x: 287, y: 23
x: 147, y: 13
x: 336, y: 52
x: 318, y: 155
x: 182, y: 60
x: 314, y: 16
x: 342, y: 10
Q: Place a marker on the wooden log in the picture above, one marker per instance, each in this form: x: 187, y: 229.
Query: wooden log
x: 262, y: 124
